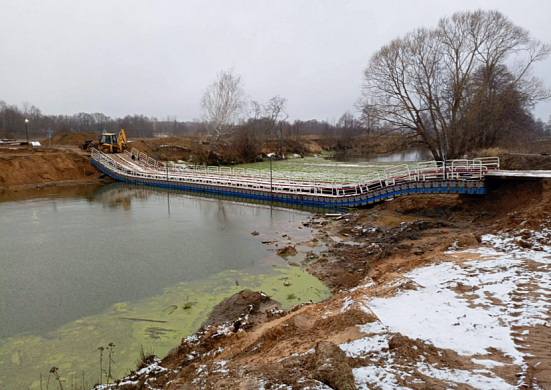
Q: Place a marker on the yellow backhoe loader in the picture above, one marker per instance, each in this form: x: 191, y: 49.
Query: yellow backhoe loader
x: 108, y: 143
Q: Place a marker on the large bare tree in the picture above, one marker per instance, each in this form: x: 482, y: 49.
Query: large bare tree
x: 430, y: 84
x: 271, y: 119
x: 223, y: 104
x: 275, y: 118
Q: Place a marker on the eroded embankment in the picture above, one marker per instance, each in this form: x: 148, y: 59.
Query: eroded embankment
x: 430, y: 292
x: 28, y: 166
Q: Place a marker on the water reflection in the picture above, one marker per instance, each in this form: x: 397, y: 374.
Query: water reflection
x: 62, y: 258
x: 85, y: 191
x: 410, y: 155
x: 122, y: 195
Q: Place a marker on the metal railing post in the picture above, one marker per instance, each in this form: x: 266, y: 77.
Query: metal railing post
x: 271, y: 183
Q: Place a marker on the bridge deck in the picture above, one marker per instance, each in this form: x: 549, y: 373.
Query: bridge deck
x: 459, y: 176
x: 535, y: 175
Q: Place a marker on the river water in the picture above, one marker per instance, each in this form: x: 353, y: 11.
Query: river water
x: 86, y: 266
x: 410, y: 155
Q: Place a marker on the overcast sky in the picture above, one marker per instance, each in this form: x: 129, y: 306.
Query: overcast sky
x: 157, y: 57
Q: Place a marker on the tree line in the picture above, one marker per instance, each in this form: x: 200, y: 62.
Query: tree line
x: 13, y: 125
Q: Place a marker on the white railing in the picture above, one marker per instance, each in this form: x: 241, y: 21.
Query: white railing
x: 140, y: 166
x: 488, y: 162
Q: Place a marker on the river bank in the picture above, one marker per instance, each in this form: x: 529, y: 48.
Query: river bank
x: 430, y: 292
x: 29, y: 167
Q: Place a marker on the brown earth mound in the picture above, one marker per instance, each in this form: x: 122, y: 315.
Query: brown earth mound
x: 287, y: 251
x: 245, y: 302
x: 44, y: 166
x: 171, y: 148
x: 75, y: 139
x: 525, y: 161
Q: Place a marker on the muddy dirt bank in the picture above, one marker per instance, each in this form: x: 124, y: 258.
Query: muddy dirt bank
x: 38, y: 167
x: 375, y: 257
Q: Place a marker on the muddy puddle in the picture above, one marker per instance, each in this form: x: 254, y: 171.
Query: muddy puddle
x: 132, y: 266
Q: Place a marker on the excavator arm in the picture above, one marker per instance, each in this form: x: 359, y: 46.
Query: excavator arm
x: 121, y: 140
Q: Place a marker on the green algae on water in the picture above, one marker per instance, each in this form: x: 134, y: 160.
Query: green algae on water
x: 73, y: 348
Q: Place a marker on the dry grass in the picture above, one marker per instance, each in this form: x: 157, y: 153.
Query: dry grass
x: 491, y: 152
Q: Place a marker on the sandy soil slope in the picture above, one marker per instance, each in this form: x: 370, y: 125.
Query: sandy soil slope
x: 28, y: 166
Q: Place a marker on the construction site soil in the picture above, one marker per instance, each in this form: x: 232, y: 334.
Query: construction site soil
x: 250, y: 343
x: 27, y: 166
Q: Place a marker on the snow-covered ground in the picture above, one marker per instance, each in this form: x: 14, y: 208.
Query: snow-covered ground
x: 473, y: 304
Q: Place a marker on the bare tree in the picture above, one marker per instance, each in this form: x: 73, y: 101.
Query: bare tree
x: 269, y: 120
x: 425, y: 86
x: 257, y: 122
x: 368, y: 115
x: 275, y: 118
x: 348, y: 127
x: 295, y: 129
x: 223, y: 104
x: 25, y: 107
x: 12, y: 119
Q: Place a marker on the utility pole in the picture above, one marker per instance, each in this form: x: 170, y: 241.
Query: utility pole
x: 168, y: 189
x: 271, y: 186
x: 166, y: 159
x: 445, y: 152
